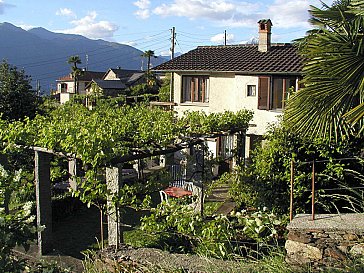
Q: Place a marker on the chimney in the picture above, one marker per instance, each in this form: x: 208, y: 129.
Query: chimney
x: 265, y: 26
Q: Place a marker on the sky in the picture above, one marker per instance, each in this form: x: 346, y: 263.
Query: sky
x: 147, y: 24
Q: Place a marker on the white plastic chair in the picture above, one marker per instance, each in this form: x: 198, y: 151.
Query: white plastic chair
x: 188, y: 186
x: 164, y: 196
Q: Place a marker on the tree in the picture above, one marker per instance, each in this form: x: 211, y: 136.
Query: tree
x: 148, y: 54
x: 76, y: 72
x: 332, y: 101
x: 17, y: 99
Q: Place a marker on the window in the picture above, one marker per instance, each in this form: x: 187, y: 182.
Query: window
x: 274, y: 91
x: 251, y: 90
x: 195, y: 89
x: 226, y: 146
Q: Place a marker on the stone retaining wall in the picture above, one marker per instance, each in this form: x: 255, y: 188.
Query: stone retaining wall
x: 328, y: 240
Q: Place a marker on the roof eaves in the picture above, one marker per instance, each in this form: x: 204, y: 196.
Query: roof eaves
x: 235, y: 71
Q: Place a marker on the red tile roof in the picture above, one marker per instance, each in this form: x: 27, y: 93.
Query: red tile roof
x: 245, y: 59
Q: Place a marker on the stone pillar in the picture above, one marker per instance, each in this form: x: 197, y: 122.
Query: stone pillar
x: 197, y: 192
x: 44, y: 203
x: 114, y: 183
x: 72, y: 172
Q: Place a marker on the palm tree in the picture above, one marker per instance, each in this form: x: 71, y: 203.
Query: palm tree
x: 76, y: 72
x: 332, y: 102
x: 148, y: 54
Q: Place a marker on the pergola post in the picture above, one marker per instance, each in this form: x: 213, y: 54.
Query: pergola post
x: 44, y: 203
x: 114, y: 183
x: 72, y: 172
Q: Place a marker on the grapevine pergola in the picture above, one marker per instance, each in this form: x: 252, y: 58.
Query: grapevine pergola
x: 107, y: 136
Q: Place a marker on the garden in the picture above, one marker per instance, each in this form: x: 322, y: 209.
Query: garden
x: 320, y: 137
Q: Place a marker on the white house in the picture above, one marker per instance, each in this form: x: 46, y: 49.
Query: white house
x: 66, y: 84
x: 233, y: 77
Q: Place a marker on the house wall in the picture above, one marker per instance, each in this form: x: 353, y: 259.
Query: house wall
x: 111, y: 76
x: 64, y: 97
x: 228, y: 91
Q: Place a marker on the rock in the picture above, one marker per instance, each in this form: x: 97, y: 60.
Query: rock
x: 350, y: 237
x: 343, y: 248
x: 335, y: 254
x: 300, y: 253
x: 299, y: 237
x: 357, y: 250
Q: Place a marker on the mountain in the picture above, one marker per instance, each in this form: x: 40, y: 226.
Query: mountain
x: 43, y: 54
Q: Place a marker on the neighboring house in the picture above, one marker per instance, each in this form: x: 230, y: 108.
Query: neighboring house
x: 111, y: 83
x: 116, y: 81
x: 66, y: 85
x: 258, y: 77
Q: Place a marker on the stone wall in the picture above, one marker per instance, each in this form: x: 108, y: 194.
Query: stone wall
x: 328, y: 240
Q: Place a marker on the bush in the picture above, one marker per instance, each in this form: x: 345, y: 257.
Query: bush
x: 181, y: 230
x: 266, y: 180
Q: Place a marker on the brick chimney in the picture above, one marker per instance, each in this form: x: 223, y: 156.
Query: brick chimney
x: 265, y: 26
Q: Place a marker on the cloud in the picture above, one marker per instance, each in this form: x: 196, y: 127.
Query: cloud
x: 130, y: 43
x: 289, y: 13
x: 220, y: 38
x: 66, y: 12
x: 4, y: 6
x: 88, y: 26
x: 27, y: 27
x: 142, y: 4
x: 223, y: 12
x: 292, y: 13
x: 143, y: 11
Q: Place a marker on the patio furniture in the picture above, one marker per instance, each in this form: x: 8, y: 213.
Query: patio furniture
x: 164, y: 196
x: 177, y: 192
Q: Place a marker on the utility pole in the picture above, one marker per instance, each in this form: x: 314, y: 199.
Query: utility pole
x: 225, y: 37
x: 38, y: 88
x: 86, y: 62
x: 173, y: 30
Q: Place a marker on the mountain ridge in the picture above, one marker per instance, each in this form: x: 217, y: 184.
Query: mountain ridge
x: 43, y: 54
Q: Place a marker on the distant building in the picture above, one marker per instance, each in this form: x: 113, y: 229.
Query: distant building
x: 112, y: 83
x: 66, y: 85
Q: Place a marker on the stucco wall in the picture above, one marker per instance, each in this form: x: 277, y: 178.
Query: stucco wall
x: 111, y: 76
x: 228, y: 91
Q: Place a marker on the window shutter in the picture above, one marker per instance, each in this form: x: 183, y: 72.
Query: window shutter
x: 263, y: 93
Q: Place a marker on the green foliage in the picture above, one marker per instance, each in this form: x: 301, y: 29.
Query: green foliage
x: 267, y: 179
x: 200, y: 123
x: 17, y: 99
x: 142, y: 89
x: 164, y: 90
x: 331, y: 103
x: 177, y: 224
x: 15, y: 229
x: 259, y: 225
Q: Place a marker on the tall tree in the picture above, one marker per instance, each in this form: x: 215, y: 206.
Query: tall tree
x: 76, y: 72
x: 148, y: 54
x: 331, y: 103
x: 17, y: 98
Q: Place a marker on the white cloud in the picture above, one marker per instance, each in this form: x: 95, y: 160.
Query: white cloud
x: 142, y: 13
x: 292, y: 13
x: 4, y: 6
x: 88, y: 26
x: 27, y: 27
x: 65, y: 12
x: 130, y: 43
x: 142, y: 4
x: 223, y: 12
x: 220, y: 38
